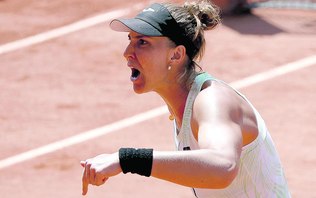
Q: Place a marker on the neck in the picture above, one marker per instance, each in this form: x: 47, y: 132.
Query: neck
x: 175, y: 98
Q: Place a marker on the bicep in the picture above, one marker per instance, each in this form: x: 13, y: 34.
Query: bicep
x: 224, y: 138
x: 218, y: 120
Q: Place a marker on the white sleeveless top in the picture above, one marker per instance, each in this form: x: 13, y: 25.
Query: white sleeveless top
x: 260, y: 172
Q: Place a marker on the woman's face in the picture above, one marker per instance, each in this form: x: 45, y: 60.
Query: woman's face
x: 148, y: 58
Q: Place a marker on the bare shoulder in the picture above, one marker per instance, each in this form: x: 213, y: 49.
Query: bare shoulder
x: 217, y: 96
x: 218, y: 104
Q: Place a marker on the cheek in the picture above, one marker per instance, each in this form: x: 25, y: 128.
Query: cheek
x: 148, y: 60
x: 152, y: 60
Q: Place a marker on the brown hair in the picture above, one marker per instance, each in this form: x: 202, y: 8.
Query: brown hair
x: 194, y: 18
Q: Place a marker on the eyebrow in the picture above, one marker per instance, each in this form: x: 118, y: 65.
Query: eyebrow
x: 137, y: 37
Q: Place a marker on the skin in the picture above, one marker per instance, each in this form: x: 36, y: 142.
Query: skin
x: 222, y: 122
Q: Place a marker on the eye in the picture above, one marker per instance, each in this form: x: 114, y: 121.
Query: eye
x: 142, y: 42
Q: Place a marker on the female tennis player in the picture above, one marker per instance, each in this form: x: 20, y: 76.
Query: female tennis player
x: 223, y: 146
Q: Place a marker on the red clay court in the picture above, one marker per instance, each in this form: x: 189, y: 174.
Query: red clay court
x: 66, y: 95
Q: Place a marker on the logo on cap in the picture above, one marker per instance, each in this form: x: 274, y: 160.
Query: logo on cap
x: 149, y: 10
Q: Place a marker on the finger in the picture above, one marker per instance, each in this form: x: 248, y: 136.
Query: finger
x: 92, y: 178
x: 100, y: 180
x: 105, y: 179
x: 85, y: 182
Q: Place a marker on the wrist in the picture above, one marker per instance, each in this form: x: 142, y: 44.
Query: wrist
x: 137, y: 161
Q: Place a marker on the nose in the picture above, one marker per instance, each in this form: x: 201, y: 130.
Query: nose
x: 129, y: 52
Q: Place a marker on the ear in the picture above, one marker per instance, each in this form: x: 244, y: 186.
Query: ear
x: 178, y: 54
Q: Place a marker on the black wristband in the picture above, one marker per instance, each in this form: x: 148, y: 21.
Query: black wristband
x: 137, y: 161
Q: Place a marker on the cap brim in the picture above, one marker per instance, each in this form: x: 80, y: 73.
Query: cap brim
x: 136, y: 25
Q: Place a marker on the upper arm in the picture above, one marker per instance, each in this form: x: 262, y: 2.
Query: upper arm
x: 218, y: 117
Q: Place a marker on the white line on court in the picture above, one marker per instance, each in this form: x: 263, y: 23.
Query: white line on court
x: 110, y: 128
x: 281, y: 70
x: 85, y: 136
x: 58, y: 32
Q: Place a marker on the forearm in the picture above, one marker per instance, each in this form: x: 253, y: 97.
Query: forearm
x: 198, y: 168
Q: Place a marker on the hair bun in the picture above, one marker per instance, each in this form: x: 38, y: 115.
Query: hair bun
x: 206, y: 12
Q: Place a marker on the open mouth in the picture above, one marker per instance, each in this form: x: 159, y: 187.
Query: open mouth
x: 135, y: 74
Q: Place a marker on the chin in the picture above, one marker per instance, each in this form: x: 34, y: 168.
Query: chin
x: 138, y: 90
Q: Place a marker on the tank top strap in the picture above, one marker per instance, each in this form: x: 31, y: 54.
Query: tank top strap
x: 186, y: 121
